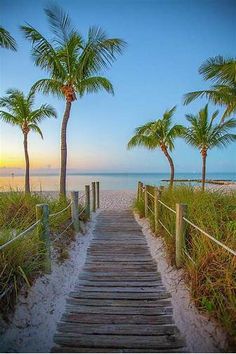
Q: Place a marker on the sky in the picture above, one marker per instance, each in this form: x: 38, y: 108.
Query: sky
x: 167, y: 41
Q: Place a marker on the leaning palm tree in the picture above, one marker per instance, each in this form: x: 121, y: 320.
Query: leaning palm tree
x: 222, y: 72
x: 20, y: 112
x: 159, y: 134
x: 205, y: 134
x: 6, y: 40
x: 73, y: 64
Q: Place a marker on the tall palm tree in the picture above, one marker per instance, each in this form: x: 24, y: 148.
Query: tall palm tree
x: 204, y: 134
x: 160, y: 133
x: 73, y: 64
x: 222, y: 72
x: 20, y: 112
x: 6, y: 40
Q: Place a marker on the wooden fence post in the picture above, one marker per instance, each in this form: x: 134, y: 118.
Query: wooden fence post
x: 156, y: 197
x: 145, y: 202
x: 75, y: 210
x: 98, y: 194
x: 181, y: 211
x: 139, y: 191
x: 93, y: 197
x: 87, y: 200
x: 42, y: 214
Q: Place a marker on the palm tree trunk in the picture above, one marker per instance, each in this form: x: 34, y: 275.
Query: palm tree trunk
x: 64, y: 149
x: 27, y: 183
x: 203, y: 171
x: 172, y: 168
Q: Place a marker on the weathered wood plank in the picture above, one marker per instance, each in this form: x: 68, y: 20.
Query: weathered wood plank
x: 118, y: 329
x: 126, y: 310
x: 121, y: 341
x: 119, y: 283
x: 120, y: 302
x: 125, y: 295
x: 116, y: 318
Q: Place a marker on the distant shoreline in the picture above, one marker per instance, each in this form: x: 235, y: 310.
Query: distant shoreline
x: 226, y: 182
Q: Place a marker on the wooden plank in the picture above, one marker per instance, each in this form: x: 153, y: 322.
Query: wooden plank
x: 116, y: 319
x: 120, y: 289
x: 126, y: 310
x: 119, y: 283
x: 120, y: 302
x: 58, y: 349
x: 118, y: 329
x: 116, y: 295
x: 123, y: 341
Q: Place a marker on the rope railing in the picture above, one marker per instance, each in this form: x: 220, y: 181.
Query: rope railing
x: 211, y: 237
x: 164, y: 227
x: 166, y: 206
x: 150, y: 194
x: 43, y: 218
x: 181, y: 220
x: 60, y: 212
x: 23, y: 233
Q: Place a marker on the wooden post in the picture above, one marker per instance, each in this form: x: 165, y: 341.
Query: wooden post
x: 75, y: 210
x: 139, y: 191
x: 42, y: 213
x: 87, y: 200
x: 181, y: 211
x: 98, y: 194
x: 93, y: 197
x: 156, y: 216
x: 145, y: 202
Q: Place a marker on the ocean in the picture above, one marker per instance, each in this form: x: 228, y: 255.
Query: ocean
x: 108, y: 181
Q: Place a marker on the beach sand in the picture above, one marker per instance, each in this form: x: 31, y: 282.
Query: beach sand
x: 33, y: 324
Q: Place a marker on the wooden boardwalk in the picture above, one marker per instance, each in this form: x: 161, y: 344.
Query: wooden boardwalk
x: 119, y: 303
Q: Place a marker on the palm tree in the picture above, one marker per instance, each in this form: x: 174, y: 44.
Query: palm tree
x: 72, y: 64
x: 159, y: 134
x: 205, y: 134
x: 20, y: 112
x: 6, y: 40
x: 223, y: 91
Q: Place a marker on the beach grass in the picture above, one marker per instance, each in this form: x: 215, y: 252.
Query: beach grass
x: 23, y: 260
x: 210, y: 273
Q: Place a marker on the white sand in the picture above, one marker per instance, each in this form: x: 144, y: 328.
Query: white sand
x: 34, y: 323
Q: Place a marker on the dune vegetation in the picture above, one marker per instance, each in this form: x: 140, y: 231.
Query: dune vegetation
x: 210, y: 273
x: 23, y: 260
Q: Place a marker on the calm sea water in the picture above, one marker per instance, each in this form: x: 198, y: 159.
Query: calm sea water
x: 109, y: 181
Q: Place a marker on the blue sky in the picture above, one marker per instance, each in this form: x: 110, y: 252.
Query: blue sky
x: 167, y: 42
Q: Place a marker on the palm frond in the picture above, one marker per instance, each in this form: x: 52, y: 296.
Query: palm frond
x: 59, y: 22
x: 94, y: 84
x: 36, y: 129
x: 47, y: 86
x: 6, y: 40
x: 8, y: 118
x: 219, y: 69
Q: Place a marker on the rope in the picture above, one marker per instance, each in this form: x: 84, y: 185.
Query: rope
x: 150, y: 210
x: 211, y: 237
x: 20, y: 235
x: 151, y: 195
x: 82, y: 211
x: 60, y: 212
x: 63, y: 232
x: 187, y: 254
x: 173, y: 211
x: 165, y: 228
x: 82, y: 196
